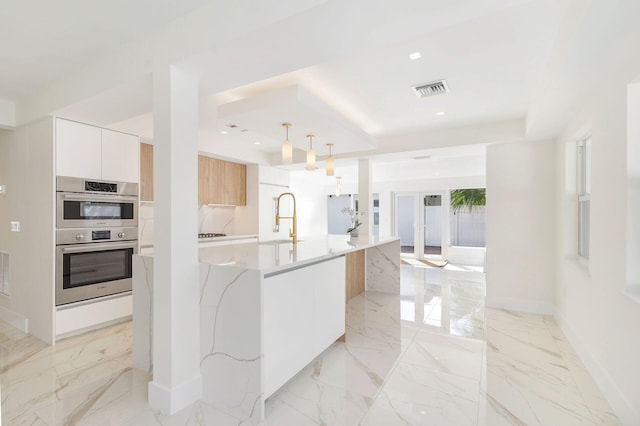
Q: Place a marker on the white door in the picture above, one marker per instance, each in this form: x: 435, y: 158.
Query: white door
x: 421, y: 223
x: 433, y: 220
x: 406, y: 214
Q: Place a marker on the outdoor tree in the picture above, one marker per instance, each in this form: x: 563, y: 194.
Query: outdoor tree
x: 467, y: 199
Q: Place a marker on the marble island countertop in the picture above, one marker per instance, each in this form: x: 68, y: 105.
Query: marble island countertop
x: 280, y: 255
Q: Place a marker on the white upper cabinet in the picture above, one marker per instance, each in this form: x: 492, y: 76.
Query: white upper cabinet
x: 92, y: 152
x: 120, y: 156
x: 78, y: 150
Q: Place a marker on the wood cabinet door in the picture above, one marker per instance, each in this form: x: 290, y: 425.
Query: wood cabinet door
x: 235, y: 188
x: 221, y: 182
x: 78, y: 150
x: 204, y: 180
x: 146, y: 172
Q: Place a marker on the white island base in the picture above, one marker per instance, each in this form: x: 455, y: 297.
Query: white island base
x: 266, y: 311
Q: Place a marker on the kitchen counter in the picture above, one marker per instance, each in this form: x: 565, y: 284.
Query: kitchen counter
x: 281, y: 255
x: 267, y: 309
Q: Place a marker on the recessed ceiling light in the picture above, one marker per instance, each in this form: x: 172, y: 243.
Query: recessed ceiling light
x: 440, y: 113
x: 415, y: 55
x: 224, y: 132
x: 256, y: 143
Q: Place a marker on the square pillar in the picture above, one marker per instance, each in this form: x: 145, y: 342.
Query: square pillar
x: 177, y: 381
x: 365, y: 198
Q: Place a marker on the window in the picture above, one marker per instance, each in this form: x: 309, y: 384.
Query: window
x: 467, y: 218
x: 584, y: 196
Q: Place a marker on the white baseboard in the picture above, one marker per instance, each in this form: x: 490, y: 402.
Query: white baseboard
x: 170, y: 401
x: 626, y: 412
x: 519, y: 305
x: 15, y: 319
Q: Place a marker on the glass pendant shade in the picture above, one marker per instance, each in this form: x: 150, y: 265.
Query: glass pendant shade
x: 330, y: 164
x: 287, y: 152
x: 311, y: 159
x: 287, y: 147
x: 311, y: 155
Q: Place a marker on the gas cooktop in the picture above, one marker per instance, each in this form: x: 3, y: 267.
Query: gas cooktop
x: 211, y: 235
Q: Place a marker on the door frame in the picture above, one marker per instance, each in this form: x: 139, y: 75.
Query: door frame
x: 419, y: 219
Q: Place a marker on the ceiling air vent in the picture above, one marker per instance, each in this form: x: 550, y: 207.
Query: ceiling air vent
x: 430, y: 89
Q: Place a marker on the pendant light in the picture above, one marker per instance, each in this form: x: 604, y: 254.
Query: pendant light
x: 330, y: 165
x: 287, y: 148
x: 311, y: 155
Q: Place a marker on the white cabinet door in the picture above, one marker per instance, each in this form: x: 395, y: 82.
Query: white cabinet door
x: 329, y: 295
x: 78, y: 150
x: 303, y: 314
x: 288, y: 326
x: 120, y: 156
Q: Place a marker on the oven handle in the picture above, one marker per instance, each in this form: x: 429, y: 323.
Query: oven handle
x: 100, y: 197
x: 98, y: 247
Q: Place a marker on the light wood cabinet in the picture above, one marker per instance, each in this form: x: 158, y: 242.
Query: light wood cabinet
x: 146, y: 172
x: 354, y: 273
x: 221, y: 182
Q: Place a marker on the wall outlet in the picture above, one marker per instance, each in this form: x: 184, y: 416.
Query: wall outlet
x: 3, y: 190
x: 15, y: 226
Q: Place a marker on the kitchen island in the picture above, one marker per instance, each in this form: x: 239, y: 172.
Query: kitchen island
x: 266, y: 310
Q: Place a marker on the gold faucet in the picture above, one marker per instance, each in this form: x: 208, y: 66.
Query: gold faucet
x: 293, y: 233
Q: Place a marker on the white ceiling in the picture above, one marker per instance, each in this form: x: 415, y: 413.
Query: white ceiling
x: 45, y: 40
x: 505, y: 61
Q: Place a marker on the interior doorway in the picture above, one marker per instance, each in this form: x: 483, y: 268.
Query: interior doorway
x: 420, y: 222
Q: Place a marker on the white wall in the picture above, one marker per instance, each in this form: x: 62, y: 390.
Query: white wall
x: 599, y: 319
x: 633, y: 185
x: 521, y: 226
x: 26, y: 168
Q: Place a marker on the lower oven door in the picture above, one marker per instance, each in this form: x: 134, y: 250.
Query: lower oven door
x: 87, y: 271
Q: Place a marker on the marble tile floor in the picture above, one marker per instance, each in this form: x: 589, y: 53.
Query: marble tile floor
x: 432, y: 356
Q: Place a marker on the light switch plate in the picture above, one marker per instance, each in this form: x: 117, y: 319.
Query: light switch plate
x: 15, y: 226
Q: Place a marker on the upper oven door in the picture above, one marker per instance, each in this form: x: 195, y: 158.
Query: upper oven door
x: 76, y: 210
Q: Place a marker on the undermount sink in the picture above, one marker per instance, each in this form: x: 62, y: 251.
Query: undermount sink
x: 276, y: 242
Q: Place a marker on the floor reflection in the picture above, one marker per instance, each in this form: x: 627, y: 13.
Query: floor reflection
x: 432, y: 355
x: 448, y: 300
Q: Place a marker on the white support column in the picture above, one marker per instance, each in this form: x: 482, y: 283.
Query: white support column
x: 365, y: 197
x: 177, y: 381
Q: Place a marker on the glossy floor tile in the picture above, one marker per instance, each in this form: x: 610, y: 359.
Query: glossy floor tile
x: 432, y: 356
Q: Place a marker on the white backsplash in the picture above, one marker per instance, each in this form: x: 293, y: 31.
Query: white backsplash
x: 145, y: 223
x: 217, y: 219
x: 211, y: 219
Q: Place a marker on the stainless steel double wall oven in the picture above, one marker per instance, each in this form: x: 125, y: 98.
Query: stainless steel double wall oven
x: 96, y: 235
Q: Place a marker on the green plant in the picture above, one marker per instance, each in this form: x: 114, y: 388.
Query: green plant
x: 467, y: 199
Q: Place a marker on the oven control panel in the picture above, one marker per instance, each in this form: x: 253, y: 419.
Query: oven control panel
x: 84, y: 235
